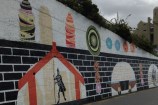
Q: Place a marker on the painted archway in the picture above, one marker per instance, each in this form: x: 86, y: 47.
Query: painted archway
x: 123, y: 79
x: 153, y: 76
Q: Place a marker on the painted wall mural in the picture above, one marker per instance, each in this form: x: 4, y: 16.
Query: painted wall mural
x: 88, y: 64
x: 141, y: 74
x: 97, y: 77
x: 123, y: 79
x: 43, y: 77
x: 93, y: 40
x: 45, y: 24
x: 27, y: 26
x: 153, y: 76
x: 117, y: 45
x: 109, y: 43
x: 70, y: 31
x: 125, y: 46
x: 132, y: 47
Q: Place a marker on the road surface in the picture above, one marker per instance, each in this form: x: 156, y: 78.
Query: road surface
x: 145, y: 97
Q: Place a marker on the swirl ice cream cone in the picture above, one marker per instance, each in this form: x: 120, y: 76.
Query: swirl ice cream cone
x: 27, y: 27
x: 70, y: 31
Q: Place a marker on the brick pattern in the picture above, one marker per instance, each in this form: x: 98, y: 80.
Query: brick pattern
x: 17, y: 57
x: 84, y: 61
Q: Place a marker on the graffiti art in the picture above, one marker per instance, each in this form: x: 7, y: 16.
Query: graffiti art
x: 27, y: 27
x: 109, y: 43
x: 45, y: 25
x: 70, y: 31
x: 117, y: 45
x: 141, y: 74
x: 97, y: 77
x: 120, y: 82
x: 93, y: 40
x: 132, y: 47
x: 152, y: 76
x: 52, y: 76
x: 125, y: 46
x: 61, y: 85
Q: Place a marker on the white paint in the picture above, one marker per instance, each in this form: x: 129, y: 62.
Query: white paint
x: 9, y: 26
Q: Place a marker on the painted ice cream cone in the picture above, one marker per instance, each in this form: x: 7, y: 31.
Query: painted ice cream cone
x: 70, y: 31
x: 27, y: 27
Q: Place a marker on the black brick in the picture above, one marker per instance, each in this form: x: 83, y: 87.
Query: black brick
x: 110, y: 68
x: 86, y: 63
x: 81, y: 57
x: 89, y: 87
x: 103, y: 58
x: 107, y: 64
x: 37, y: 53
x: 11, y: 95
x: 82, y: 68
x: 113, y: 64
x: 86, y: 80
x: 9, y: 103
x: 64, y: 54
x: 104, y: 68
x: 97, y: 58
x: 21, y: 67
x: 77, y: 62
x: 1, y: 78
x: 20, y: 52
x: 98, y: 98
x: 6, y: 68
x: 29, y: 60
x: 91, y: 80
x: 72, y: 56
x: 109, y: 59
x: 12, y: 76
x: 87, y: 74
x: 16, y: 84
x: 11, y: 59
x: 115, y: 60
x: 6, y: 51
x: 105, y: 95
x: 6, y: 86
x: 1, y: 97
x: 90, y: 69
x: 89, y: 57
x: 101, y: 63
x: 105, y: 79
x: 92, y: 93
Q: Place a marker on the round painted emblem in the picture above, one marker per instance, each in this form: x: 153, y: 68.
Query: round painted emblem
x: 93, y: 40
x: 117, y: 45
x: 109, y: 43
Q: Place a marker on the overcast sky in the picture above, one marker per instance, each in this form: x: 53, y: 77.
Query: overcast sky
x: 139, y: 9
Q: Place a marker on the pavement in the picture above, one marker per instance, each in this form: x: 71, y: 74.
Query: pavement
x: 145, y: 97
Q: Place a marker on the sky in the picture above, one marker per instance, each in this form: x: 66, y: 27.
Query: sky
x: 139, y: 9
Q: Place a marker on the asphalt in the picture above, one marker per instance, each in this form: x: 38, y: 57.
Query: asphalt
x: 145, y: 97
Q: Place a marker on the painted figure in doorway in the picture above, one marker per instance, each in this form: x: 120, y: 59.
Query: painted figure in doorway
x: 61, y: 85
x: 154, y: 75
x: 141, y: 74
x: 97, y: 77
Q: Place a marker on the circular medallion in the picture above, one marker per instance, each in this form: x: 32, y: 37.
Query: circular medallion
x: 117, y: 45
x: 93, y: 40
x: 109, y: 43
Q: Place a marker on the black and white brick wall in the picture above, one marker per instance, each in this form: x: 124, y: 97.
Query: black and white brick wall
x: 17, y: 57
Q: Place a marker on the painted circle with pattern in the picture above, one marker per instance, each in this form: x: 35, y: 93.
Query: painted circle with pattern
x: 93, y: 40
x: 117, y: 45
x: 109, y: 43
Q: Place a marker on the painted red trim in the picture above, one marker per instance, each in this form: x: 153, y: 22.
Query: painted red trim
x: 77, y: 87
x: 32, y: 91
x: 30, y: 77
